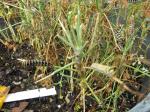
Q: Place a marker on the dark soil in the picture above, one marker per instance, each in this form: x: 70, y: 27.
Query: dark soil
x: 20, y: 78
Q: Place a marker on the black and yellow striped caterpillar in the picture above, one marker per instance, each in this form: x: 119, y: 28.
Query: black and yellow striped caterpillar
x: 33, y: 62
x: 118, y: 32
x: 119, y: 35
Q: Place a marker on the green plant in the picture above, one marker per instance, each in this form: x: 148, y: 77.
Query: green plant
x: 82, y: 33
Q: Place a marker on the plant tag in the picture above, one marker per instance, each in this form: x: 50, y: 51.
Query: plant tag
x: 29, y: 94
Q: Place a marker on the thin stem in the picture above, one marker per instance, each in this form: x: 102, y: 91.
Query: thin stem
x: 56, y: 71
x: 112, y: 31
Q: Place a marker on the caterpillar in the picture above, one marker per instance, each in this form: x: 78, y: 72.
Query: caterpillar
x: 119, y: 36
x: 133, y: 1
x: 118, y: 32
x: 25, y: 62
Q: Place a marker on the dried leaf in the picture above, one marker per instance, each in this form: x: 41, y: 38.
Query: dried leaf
x: 145, y: 61
x: 107, y: 70
x: 146, y: 9
x: 21, y: 107
x: 125, y: 3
